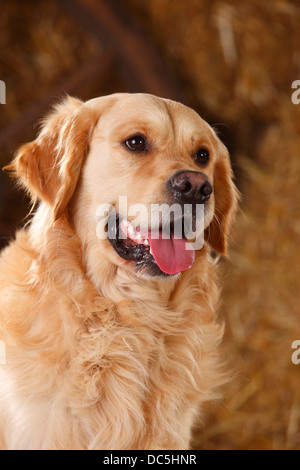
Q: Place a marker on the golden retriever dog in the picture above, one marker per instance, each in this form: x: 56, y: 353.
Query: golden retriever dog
x: 111, y: 334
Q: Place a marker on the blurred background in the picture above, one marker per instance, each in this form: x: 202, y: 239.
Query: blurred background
x: 234, y: 62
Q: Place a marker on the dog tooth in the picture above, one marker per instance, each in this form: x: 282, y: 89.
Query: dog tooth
x: 146, y: 242
x: 130, y: 230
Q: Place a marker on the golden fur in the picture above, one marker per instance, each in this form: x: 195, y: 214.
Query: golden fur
x: 99, y: 357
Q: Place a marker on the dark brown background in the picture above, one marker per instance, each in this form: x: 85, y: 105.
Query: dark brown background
x: 234, y: 62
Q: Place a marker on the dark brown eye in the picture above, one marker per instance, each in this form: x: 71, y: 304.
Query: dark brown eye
x: 136, y: 143
x: 202, y: 156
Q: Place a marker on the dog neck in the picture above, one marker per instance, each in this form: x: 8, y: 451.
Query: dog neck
x: 61, y: 251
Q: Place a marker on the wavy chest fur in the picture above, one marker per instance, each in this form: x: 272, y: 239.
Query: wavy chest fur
x: 124, y: 368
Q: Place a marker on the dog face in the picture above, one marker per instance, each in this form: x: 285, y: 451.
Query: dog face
x: 142, y: 150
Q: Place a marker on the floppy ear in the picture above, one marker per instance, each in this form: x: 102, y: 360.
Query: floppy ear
x: 49, y: 166
x: 226, y: 199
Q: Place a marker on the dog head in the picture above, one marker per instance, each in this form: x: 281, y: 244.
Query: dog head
x: 117, y: 164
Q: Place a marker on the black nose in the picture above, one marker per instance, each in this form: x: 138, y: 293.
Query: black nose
x: 190, y: 187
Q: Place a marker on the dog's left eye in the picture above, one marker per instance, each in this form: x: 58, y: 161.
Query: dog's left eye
x: 202, y: 156
x: 136, y: 143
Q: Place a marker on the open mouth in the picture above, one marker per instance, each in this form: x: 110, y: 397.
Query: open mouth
x: 155, y: 252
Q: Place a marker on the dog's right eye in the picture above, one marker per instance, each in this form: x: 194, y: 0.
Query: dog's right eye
x: 136, y: 143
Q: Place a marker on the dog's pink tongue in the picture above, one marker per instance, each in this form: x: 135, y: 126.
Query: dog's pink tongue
x: 171, y: 255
